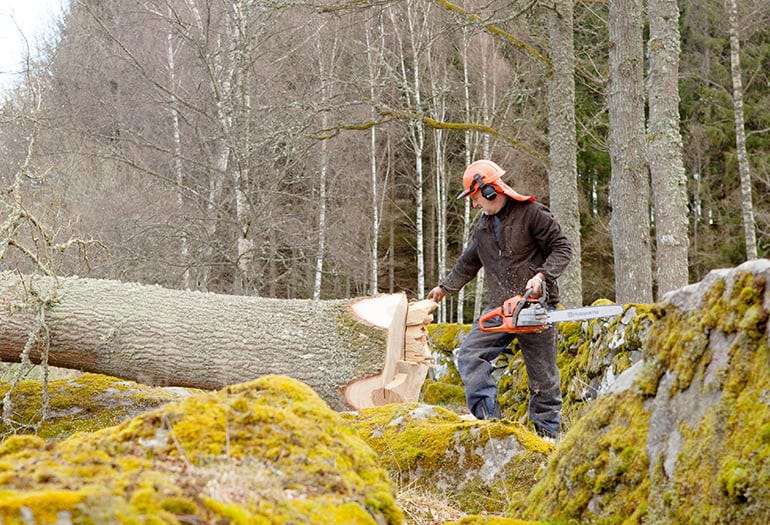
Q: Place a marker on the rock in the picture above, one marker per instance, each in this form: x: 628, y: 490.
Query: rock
x: 688, y: 441
x: 81, y: 403
x: 268, y: 451
x: 476, y: 464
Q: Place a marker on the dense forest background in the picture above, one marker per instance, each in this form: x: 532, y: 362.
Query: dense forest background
x: 314, y: 149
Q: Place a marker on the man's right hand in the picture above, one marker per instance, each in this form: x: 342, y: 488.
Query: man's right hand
x: 437, y: 294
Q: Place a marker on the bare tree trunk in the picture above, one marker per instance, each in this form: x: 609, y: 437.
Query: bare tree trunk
x: 221, y: 88
x: 411, y: 76
x: 321, y: 245
x: 326, y: 53
x: 669, y: 182
x: 747, y: 206
x: 355, y: 353
x: 629, y: 185
x: 373, y: 60
x: 468, y: 160
x: 184, y: 254
x: 439, y: 87
x: 240, y: 134
x: 562, y: 177
x: 441, y: 203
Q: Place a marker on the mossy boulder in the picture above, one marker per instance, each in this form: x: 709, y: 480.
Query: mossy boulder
x: 264, y: 452
x: 683, y: 437
x: 79, y: 403
x: 478, y: 465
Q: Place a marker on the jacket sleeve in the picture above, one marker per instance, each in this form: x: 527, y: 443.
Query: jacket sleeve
x: 465, y: 269
x: 553, y: 244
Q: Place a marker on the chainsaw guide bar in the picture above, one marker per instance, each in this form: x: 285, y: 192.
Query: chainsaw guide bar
x: 522, y: 314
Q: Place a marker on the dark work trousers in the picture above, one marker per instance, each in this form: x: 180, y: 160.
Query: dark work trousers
x: 474, y: 362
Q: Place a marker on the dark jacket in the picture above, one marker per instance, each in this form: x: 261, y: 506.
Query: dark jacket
x: 531, y: 241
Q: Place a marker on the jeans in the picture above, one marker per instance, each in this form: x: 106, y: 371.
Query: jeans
x: 474, y: 362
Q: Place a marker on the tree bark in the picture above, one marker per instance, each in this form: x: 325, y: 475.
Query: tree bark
x: 629, y: 185
x: 562, y: 175
x: 747, y: 206
x: 669, y: 183
x: 354, y: 353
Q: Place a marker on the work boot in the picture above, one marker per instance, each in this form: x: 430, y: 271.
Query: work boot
x: 546, y: 434
x: 481, y: 411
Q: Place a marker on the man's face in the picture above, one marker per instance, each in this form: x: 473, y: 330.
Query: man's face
x: 490, y: 207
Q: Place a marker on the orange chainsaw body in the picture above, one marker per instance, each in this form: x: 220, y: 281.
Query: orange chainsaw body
x: 509, y: 316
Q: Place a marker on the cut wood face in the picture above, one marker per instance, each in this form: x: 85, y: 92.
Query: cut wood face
x: 407, y: 356
x: 379, y: 310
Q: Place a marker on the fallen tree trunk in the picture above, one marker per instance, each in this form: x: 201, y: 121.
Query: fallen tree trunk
x: 354, y: 353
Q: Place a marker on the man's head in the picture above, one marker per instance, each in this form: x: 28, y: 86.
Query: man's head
x: 482, y: 175
x: 482, y: 181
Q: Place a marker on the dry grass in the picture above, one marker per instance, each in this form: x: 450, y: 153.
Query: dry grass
x: 423, y: 508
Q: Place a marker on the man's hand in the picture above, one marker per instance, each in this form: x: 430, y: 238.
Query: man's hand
x: 437, y: 294
x: 536, y: 283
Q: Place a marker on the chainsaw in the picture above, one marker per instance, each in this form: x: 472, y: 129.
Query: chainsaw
x: 522, y: 314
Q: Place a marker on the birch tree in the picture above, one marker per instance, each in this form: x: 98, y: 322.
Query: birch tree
x: 412, y: 41
x: 664, y: 150
x: 176, y: 134
x: 239, y: 127
x: 374, y: 50
x: 326, y: 53
x: 747, y: 206
x: 629, y: 185
x: 439, y: 108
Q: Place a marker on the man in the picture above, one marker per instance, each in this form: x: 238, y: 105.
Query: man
x: 520, y: 246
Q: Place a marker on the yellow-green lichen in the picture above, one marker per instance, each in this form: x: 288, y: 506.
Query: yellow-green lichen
x: 477, y: 464
x: 599, y: 471
x: 83, y: 403
x: 269, y: 451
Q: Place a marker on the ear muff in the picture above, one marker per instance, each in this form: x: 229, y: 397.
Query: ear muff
x: 487, y: 190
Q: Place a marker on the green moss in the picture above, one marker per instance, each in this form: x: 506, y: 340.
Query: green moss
x: 715, y: 465
x: 490, y: 520
x: 436, y: 451
x: 723, y: 471
x: 600, y: 464
x: 21, y: 443
x: 443, y: 394
x: 79, y: 404
x: 43, y: 506
x: 444, y: 338
x: 179, y: 505
x: 253, y: 453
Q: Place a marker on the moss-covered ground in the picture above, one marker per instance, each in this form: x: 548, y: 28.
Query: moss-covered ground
x: 266, y: 452
x: 82, y: 403
x: 477, y: 465
x: 689, y: 443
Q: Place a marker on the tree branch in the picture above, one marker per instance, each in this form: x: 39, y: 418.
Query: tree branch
x: 494, y: 30
x: 332, y: 132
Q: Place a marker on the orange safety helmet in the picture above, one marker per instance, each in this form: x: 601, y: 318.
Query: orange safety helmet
x: 483, y: 173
